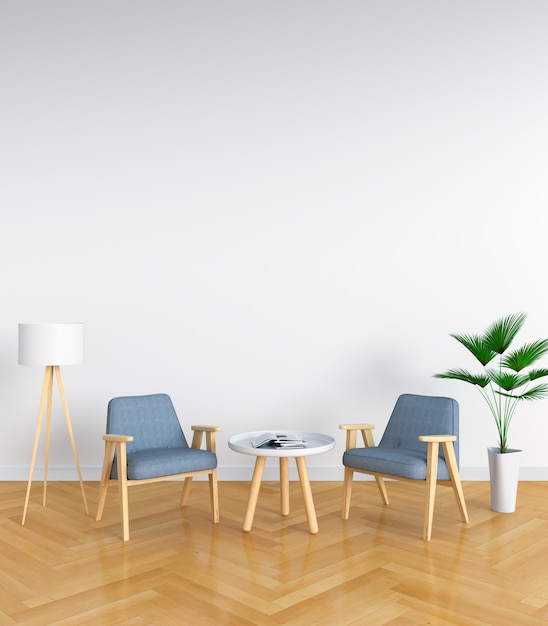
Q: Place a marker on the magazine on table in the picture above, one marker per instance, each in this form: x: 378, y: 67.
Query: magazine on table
x: 279, y: 440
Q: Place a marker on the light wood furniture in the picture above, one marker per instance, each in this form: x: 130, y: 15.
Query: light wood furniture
x: 145, y: 437
x: 46, y: 401
x: 117, y: 443
x: 316, y: 443
x: 433, y: 442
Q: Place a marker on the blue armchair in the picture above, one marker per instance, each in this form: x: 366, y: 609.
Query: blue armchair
x: 145, y: 443
x: 409, y: 450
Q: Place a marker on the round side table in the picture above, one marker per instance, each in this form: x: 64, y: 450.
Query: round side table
x: 315, y: 443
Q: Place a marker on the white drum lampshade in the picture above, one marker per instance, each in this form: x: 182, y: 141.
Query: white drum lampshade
x: 51, y: 344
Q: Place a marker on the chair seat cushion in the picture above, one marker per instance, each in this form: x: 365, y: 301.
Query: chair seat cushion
x: 392, y: 461
x: 167, y: 462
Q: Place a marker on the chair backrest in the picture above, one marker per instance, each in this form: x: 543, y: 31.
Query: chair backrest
x: 415, y: 415
x: 151, y: 419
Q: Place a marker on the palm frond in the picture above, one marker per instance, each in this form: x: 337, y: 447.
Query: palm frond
x: 525, y: 356
x: 459, y: 374
x: 538, y: 373
x: 477, y: 346
x: 508, y: 380
x: 502, y: 332
x: 536, y: 393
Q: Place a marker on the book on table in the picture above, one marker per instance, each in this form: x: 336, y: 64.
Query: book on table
x: 279, y: 440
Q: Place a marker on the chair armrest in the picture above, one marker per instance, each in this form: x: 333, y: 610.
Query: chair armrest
x: 118, y: 438
x: 446, y: 441
x: 210, y: 437
x: 437, y: 438
x: 351, y: 431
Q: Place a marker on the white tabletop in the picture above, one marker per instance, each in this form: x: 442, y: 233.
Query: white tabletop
x: 316, y: 443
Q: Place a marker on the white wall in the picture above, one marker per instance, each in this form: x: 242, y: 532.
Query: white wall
x: 276, y: 212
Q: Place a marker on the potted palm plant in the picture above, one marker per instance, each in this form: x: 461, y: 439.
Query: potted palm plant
x: 507, y: 379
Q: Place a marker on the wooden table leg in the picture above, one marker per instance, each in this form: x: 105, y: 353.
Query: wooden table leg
x: 254, y: 493
x: 284, y: 484
x: 307, y: 495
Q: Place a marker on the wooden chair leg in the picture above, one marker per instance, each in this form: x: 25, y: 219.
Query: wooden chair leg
x: 186, y: 490
x: 347, y: 491
x: 382, y: 489
x: 121, y: 459
x: 431, y: 482
x: 105, y: 478
x: 451, y: 460
x: 214, y: 495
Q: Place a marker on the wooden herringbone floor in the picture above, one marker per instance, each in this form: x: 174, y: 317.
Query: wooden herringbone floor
x: 63, y: 568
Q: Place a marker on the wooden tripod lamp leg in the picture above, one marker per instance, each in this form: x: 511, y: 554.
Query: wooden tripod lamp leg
x: 46, y: 393
x: 48, y: 433
x: 71, y: 435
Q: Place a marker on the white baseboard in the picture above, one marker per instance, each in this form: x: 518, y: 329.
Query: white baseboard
x: 479, y: 473
x: 17, y: 473
x: 236, y: 473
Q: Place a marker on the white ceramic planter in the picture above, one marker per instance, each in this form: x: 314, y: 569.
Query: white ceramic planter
x: 503, y: 476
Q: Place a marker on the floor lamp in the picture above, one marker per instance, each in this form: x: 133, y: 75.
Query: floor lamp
x: 51, y: 345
